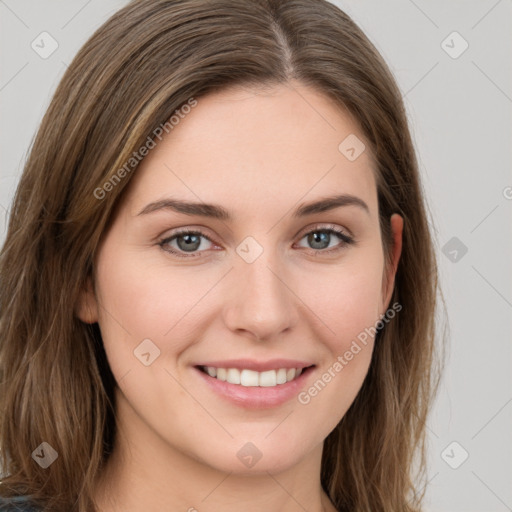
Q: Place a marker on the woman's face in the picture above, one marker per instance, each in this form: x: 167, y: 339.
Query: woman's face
x: 261, y: 290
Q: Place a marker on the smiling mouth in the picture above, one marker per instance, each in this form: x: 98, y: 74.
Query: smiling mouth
x: 251, y: 378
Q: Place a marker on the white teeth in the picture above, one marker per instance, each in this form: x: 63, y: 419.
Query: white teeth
x: 268, y: 379
x: 290, y: 374
x: 233, y: 376
x: 281, y: 376
x: 250, y: 378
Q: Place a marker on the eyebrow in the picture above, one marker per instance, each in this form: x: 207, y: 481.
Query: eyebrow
x: 219, y: 212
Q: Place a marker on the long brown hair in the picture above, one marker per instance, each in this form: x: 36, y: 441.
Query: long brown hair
x: 139, y: 68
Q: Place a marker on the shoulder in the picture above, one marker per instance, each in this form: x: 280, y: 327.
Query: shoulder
x: 18, y: 504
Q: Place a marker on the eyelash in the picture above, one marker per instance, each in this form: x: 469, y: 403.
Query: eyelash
x: 347, y: 240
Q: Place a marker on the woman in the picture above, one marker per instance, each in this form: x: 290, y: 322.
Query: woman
x: 218, y: 282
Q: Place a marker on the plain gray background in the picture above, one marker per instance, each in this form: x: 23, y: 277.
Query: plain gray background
x: 459, y: 104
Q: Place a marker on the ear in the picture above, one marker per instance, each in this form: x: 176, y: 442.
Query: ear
x: 388, y: 283
x: 87, y: 305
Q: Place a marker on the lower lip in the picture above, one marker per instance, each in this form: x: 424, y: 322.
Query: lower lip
x: 256, y: 397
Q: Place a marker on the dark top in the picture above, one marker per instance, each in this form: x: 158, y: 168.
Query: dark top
x: 18, y: 504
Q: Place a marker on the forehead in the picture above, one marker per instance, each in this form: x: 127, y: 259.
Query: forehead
x: 246, y: 148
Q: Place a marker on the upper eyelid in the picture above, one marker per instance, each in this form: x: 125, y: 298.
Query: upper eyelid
x: 325, y: 227
x: 301, y: 233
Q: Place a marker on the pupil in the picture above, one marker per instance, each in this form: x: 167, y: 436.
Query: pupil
x: 189, y: 245
x: 316, y: 238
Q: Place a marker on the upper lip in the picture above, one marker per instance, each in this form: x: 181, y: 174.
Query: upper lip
x: 258, y: 366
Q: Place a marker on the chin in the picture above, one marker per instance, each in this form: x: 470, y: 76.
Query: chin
x: 252, y: 457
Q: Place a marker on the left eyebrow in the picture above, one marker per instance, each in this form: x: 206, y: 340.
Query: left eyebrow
x: 219, y: 212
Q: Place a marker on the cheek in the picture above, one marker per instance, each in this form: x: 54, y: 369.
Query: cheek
x: 141, y: 300
x: 350, y: 310
x: 345, y: 298
x: 347, y: 302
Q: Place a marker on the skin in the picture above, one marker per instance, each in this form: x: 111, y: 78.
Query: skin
x: 259, y: 153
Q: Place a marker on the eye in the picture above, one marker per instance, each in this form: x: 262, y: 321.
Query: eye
x: 187, y: 241
x: 320, y: 239
x: 190, y: 241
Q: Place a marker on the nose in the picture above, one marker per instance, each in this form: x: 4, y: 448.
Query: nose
x: 263, y: 304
